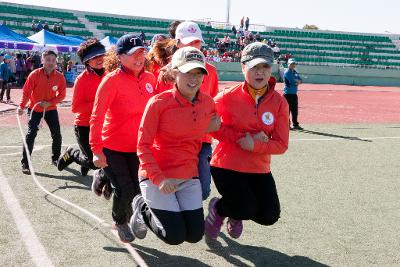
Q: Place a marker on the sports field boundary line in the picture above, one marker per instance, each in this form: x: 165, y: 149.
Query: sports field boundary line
x: 32, y: 243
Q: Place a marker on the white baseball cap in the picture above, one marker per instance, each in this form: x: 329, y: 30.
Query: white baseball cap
x: 292, y: 61
x: 187, y: 58
x: 187, y: 32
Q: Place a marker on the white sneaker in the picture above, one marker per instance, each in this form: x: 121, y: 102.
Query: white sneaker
x: 136, y: 222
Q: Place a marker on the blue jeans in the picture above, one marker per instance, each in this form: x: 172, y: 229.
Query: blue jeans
x: 204, y: 169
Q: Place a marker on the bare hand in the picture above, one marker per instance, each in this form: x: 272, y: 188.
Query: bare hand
x: 44, y: 104
x: 20, y: 111
x: 246, y: 142
x: 168, y: 186
x: 99, y: 160
x: 215, y: 124
x: 261, y: 136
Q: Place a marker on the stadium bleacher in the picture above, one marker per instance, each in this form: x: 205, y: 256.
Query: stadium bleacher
x: 20, y: 19
x: 307, y: 46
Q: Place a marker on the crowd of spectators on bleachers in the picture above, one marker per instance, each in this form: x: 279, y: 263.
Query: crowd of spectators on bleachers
x: 228, y: 50
x: 56, y: 28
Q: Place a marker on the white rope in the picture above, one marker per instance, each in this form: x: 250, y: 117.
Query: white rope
x: 139, y: 260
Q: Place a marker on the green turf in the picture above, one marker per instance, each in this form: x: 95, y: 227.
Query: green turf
x: 339, y: 197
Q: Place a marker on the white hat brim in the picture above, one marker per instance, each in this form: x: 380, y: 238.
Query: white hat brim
x: 188, y: 40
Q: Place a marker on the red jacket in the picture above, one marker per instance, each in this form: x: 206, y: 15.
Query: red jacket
x: 208, y: 87
x: 85, y: 88
x: 118, y: 108
x: 240, y: 114
x: 170, y: 135
x: 42, y: 87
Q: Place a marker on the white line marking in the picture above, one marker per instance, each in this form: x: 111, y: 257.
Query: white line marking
x: 35, y: 147
x: 31, y: 241
x: 345, y: 138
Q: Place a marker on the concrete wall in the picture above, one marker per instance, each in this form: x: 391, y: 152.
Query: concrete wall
x: 322, y: 74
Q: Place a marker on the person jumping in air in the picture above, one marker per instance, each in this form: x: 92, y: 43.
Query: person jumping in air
x: 91, y: 53
x: 169, y: 141
x: 254, y: 126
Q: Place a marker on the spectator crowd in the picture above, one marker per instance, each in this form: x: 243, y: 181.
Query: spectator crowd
x: 38, y: 26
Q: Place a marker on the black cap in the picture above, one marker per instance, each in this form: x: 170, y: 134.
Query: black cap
x: 128, y: 44
x: 93, y: 52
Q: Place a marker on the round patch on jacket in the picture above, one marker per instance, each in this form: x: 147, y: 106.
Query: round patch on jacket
x: 267, y: 118
x: 149, y: 88
x: 55, y: 88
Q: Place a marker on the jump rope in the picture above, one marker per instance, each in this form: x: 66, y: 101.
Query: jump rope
x: 138, y: 259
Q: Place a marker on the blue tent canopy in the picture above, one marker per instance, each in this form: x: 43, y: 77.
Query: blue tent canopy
x: 62, y: 43
x: 12, y: 40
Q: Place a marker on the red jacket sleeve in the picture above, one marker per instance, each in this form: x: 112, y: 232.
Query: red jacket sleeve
x: 27, y: 90
x: 147, y: 132
x: 226, y: 133
x: 279, y: 139
x: 79, y: 105
x: 60, y: 93
x: 214, y: 84
x: 104, y: 97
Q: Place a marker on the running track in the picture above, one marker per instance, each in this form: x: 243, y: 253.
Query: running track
x: 318, y: 104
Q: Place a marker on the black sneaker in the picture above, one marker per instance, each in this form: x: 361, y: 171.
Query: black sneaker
x: 84, y: 171
x: 297, y: 127
x: 136, y: 222
x: 97, y: 183
x: 65, y: 159
x: 25, y: 169
x: 107, y: 191
x: 124, y: 232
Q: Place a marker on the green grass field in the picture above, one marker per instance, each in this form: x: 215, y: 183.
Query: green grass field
x: 339, y: 193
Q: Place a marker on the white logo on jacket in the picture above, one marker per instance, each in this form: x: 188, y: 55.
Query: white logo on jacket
x: 267, y: 118
x: 55, y: 88
x: 149, y: 88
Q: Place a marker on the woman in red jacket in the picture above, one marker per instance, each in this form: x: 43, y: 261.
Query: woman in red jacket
x: 170, y: 135
x: 254, y: 126
x: 118, y: 107
x: 91, y: 53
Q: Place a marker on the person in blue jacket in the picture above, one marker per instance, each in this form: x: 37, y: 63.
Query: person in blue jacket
x: 292, y: 79
x: 5, y: 76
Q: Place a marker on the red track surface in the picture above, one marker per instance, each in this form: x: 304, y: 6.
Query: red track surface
x: 318, y: 103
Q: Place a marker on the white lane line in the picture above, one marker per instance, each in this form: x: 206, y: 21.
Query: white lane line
x: 35, y: 147
x: 345, y: 138
x: 20, y: 153
x: 28, y: 236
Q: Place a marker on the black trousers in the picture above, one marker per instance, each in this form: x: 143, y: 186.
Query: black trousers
x: 5, y: 88
x: 247, y: 196
x: 122, y: 170
x: 51, y: 118
x: 293, y: 102
x: 84, y: 155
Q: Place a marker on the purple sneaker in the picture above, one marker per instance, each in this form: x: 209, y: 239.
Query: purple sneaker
x: 213, y: 222
x: 234, y: 227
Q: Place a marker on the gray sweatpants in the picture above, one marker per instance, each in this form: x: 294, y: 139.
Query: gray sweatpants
x: 175, y: 217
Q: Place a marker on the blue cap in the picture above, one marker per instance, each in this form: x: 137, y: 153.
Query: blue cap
x: 128, y: 44
x: 7, y: 56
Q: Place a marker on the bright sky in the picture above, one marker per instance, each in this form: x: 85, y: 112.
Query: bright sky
x: 338, y: 15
